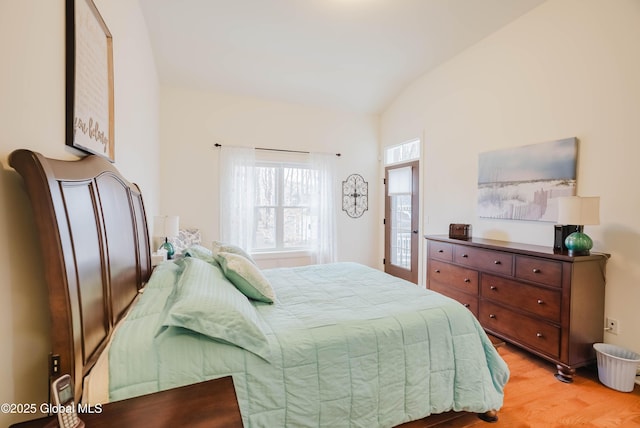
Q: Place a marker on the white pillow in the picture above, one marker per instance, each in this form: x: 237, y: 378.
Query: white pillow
x: 185, y: 239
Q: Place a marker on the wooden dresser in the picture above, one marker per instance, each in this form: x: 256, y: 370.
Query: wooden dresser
x: 547, y: 303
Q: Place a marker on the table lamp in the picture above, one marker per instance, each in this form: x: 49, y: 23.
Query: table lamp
x: 580, y: 211
x: 166, y: 226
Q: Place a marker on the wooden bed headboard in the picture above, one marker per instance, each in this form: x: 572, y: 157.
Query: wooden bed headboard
x: 95, y: 242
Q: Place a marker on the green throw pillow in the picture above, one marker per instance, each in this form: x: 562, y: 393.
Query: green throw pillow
x: 205, y: 302
x: 221, y: 247
x: 246, y: 276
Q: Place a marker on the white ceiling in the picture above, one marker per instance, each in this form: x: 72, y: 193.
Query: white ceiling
x: 348, y: 54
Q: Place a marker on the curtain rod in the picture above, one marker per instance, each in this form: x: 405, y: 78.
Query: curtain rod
x: 276, y: 150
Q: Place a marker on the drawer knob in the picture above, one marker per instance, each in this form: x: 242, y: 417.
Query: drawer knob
x: 441, y: 251
x: 466, y: 305
x: 493, y: 287
x: 540, y: 301
x: 466, y: 256
x: 437, y: 270
x: 538, y: 334
x: 467, y: 280
x: 497, y: 262
x: 536, y: 270
x: 492, y: 315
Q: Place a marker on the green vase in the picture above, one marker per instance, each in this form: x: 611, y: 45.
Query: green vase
x: 578, y: 244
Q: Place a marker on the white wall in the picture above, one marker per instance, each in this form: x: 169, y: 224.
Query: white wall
x: 192, y: 122
x: 32, y: 115
x: 568, y: 68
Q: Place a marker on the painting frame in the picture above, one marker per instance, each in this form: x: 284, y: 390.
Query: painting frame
x: 525, y: 182
x: 89, y: 120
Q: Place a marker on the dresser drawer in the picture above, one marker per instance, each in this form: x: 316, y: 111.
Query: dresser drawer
x: 528, y: 331
x: 441, y: 250
x: 540, y: 301
x: 486, y: 260
x: 457, y: 277
x: 468, y: 301
x: 543, y: 271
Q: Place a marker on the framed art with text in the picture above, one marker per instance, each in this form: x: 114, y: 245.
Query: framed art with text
x: 89, y: 80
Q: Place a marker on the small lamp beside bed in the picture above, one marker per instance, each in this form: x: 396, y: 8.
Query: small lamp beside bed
x: 581, y: 211
x: 166, y: 227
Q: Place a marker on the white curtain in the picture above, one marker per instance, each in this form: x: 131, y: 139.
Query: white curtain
x: 237, y: 167
x: 323, y: 208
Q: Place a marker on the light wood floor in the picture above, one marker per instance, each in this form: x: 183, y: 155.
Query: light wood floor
x: 535, y: 399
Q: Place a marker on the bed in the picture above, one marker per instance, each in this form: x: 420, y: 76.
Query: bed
x: 339, y: 345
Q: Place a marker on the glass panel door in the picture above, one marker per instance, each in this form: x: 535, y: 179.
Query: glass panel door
x: 401, y: 220
x: 400, y: 254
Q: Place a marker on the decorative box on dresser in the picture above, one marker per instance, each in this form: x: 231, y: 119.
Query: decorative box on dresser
x: 545, y: 302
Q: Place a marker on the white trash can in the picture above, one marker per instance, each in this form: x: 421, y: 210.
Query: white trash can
x: 617, y: 366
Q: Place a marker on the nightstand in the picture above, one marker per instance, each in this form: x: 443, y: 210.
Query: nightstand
x: 157, y: 258
x: 206, y: 404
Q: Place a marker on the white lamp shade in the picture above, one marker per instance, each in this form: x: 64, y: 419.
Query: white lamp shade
x: 400, y: 181
x: 166, y: 226
x: 579, y: 210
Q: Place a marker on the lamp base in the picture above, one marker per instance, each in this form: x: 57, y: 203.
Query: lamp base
x: 168, y: 246
x: 578, y: 253
x: 578, y: 244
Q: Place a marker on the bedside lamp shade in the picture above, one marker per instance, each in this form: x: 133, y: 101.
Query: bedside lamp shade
x: 166, y: 227
x: 579, y: 211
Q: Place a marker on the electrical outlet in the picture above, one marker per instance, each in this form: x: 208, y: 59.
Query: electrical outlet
x: 613, y: 326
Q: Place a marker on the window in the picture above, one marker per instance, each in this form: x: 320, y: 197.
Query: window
x: 402, y: 152
x: 282, y: 217
x: 278, y: 203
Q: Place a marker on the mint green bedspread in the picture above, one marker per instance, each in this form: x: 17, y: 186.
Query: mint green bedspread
x: 350, y: 347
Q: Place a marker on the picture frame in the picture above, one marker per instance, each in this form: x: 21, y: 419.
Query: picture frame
x: 89, y: 81
x: 525, y: 182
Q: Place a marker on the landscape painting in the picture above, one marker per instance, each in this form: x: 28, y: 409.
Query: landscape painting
x: 524, y: 183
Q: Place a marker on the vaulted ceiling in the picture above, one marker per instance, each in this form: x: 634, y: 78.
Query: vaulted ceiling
x: 348, y: 54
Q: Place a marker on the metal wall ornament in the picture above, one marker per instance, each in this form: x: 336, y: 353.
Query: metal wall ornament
x: 355, y: 194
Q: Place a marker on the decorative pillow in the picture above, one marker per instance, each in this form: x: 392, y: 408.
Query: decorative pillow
x: 205, y: 302
x: 246, y: 276
x: 219, y: 247
x: 185, y: 239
